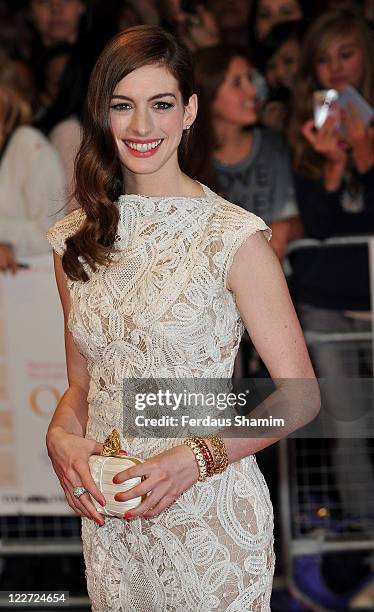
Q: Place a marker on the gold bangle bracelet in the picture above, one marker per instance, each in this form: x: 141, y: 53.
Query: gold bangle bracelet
x: 221, y: 460
x: 199, y: 457
x: 208, y: 457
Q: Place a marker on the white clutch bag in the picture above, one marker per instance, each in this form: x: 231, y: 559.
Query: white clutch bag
x: 104, y: 467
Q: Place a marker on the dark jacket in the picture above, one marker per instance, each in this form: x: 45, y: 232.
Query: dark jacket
x: 335, y: 277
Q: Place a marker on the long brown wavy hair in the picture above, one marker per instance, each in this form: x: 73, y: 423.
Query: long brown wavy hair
x: 328, y: 26
x: 98, y: 174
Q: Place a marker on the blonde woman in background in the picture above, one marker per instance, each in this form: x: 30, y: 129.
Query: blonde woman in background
x: 31, y: 179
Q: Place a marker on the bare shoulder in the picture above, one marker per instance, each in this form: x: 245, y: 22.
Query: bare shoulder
x: 253, y: 258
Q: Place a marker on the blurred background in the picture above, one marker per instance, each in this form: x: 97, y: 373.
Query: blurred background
x: 269, y: 138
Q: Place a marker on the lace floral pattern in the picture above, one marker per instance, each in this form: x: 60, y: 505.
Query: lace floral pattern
x: 162, y: 309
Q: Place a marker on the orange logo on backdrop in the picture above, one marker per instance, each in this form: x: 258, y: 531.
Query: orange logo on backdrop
x: 44, y: 399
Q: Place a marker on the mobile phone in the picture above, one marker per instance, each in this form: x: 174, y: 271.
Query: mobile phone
x: 350, y: 95
x: 324, y: 106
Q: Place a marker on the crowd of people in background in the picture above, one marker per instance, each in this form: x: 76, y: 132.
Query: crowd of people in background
x: 258, y: 64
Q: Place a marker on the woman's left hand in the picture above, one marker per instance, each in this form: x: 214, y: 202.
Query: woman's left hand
x: 168, y: 475
x: 358, y: 137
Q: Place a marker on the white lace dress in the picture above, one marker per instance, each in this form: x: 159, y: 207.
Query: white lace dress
x: 162, y: 309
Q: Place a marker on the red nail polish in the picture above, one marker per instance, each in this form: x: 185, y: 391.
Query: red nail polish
x: 146, y: 515
x: 102, y: 502
x: 100, y: 523
x: 122, y: 452
x: 116, y: 498
x: 127, y: 516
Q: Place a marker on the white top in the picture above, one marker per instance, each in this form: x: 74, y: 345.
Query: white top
x: 31, y: 191
x: 66, y: 138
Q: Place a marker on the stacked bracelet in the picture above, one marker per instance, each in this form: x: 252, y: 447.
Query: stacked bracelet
x: 203, y: 470
x: 221, y: 460
x: 208, y: 464
x: 208, y: 457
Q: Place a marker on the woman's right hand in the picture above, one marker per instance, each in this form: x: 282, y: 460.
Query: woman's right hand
x: 69, y: 455
x: 326, y: 141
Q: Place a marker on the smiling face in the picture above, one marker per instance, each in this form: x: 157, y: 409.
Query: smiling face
x: 235, y: 102
x: 147, y: 117
x: 341, y: 64
x: 271, y: 12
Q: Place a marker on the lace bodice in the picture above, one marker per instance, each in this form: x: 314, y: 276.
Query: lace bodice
x: 153, y: 310
x: 161, y: 308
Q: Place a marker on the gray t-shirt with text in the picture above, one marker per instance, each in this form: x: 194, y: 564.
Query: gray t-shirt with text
x: 262, y: 182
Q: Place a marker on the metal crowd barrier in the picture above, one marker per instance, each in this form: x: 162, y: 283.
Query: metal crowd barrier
x: 314, y: 524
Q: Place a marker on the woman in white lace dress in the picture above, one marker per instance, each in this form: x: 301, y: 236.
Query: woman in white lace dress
x: 157, y: 275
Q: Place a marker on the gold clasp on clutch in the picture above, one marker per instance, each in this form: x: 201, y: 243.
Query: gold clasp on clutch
x: 111, y: 448
x: 112, y: 444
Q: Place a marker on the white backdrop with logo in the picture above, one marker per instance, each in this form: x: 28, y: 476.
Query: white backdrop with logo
x: 32, y: 379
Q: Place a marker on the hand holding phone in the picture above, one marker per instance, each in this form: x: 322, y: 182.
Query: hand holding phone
x: 330, y: 103
x: 326, y: 141
x: 342, y: 121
